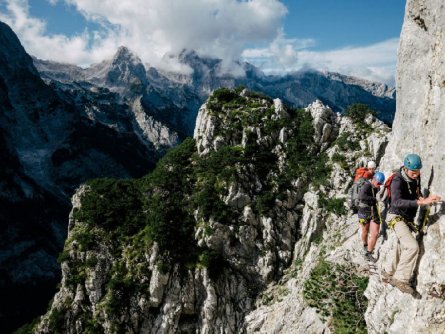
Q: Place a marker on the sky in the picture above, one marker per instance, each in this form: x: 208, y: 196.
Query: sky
x: 352, y: 37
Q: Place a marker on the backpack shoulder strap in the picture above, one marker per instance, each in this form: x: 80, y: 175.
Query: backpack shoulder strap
x: 387, y: 185
x: 419, y: 190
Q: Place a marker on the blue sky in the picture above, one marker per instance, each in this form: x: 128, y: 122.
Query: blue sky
x: 354, y: 37
x: 340, y: 23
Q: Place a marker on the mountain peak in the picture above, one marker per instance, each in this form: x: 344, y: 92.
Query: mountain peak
x: 13, y: 53
x: 123, y: 54
x: 124, y: 69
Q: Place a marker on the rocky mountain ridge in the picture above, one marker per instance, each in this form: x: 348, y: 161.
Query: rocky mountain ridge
x: 259, y: 184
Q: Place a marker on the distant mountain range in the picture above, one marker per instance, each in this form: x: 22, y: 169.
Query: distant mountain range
x: 61, y: 125
x: 175, y: 98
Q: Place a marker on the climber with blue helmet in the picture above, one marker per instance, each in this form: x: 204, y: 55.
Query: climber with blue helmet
x: 404, y: 201
x: 368, y: 213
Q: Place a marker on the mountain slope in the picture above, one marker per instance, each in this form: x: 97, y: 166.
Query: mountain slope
x: 51, y: 141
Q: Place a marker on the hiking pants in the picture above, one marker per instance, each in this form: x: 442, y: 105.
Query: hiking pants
x: 402, y: 258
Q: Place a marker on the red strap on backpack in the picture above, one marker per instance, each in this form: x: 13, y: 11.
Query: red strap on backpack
x: 388, y: 184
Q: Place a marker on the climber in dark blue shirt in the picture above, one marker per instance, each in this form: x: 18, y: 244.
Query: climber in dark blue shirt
x: 368, y: 214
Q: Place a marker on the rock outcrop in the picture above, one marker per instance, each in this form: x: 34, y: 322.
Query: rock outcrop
x: 224, y: 220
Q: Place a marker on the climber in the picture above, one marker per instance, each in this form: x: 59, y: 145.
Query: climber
x: 405, y: 199
x: 368, y: 213
x: 361, y: 175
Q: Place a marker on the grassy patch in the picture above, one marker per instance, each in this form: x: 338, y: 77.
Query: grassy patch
x: 337, y: 292
x: 341, y: 160
x: 358, y: 113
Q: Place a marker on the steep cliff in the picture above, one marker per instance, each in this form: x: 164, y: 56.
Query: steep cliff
x: 418, y: 128
x: 193, y: 246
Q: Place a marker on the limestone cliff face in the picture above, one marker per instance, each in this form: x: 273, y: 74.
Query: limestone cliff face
x: 419, y: 122
x: 418, y: 128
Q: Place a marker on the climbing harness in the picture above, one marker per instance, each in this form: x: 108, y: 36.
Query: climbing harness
x: 397, y: 219
x: 363, y: 221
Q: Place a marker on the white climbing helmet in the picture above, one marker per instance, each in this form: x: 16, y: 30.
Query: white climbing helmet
x: 371, y: 164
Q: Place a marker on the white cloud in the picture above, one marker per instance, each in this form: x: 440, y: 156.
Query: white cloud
x: 217, y: 28
x: 32, y: 34
x: 151, y: 28
x: 375, y: 62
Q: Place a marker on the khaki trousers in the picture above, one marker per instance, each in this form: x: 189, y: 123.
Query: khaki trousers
x: 402, y: 258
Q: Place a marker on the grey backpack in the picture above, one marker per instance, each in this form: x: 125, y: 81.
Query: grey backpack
x: 354, y: 192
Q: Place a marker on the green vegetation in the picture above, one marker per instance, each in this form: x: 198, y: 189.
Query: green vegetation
x: 112, y: 205
x: 345, y: 142
x: 56, y: 319
x: 320, y: 171
x: 358, y: 113
x: 337, y: 292
x: 333, y: 205
x: 341, y: 160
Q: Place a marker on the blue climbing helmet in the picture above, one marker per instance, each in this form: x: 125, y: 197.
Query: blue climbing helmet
x: 379, y: 177
x: 412, y: 161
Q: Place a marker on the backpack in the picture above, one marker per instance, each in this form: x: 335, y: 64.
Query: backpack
x: 360, y: 172
x: 354, y: 192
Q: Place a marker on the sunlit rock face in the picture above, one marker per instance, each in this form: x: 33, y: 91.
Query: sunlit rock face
x: 418, y: 128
